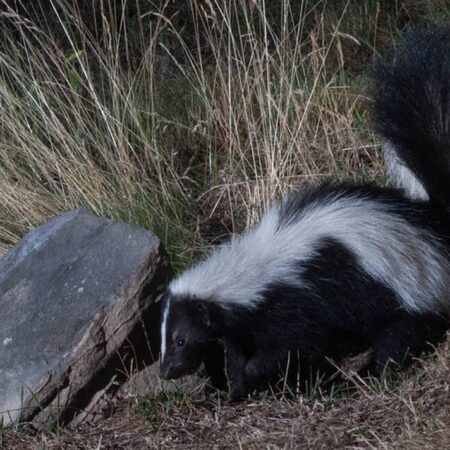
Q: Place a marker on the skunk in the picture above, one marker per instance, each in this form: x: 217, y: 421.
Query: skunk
x: 336, y: 269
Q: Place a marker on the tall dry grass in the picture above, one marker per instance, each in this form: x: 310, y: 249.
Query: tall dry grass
x: 193, y: 141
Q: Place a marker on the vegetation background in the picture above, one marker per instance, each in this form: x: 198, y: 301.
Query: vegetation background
x: 189, y: 118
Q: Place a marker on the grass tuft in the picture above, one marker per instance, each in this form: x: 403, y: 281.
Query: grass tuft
x: 194, y: 139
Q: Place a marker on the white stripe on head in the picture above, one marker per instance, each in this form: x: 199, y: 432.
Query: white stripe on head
x: 164, y: 328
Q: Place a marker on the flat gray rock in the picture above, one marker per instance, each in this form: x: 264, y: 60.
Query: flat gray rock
x: 78, y: 309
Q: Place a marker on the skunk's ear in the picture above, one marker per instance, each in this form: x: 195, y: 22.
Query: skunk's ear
x: 203, y: 310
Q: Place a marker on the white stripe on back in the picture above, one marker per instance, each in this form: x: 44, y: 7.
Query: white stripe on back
x: 393, y: 251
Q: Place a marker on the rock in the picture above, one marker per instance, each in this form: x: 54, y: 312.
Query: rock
x: 79, y: 311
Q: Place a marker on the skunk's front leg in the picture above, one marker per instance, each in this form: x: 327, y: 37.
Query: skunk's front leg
x: 264, y: 368
x: 235, y: 364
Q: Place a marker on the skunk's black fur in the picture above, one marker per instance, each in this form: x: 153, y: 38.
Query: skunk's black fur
x: 337, y: 269
x: 412, y: 108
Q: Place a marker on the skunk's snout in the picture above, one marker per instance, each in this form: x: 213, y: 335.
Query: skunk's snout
x: 169, y: 371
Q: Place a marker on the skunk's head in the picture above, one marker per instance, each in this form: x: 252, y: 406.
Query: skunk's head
x: 187, y: 330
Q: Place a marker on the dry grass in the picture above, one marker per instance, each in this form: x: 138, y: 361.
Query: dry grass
x: 242, y: 111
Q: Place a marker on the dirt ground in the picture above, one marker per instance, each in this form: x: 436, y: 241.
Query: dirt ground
x: 408, y: 412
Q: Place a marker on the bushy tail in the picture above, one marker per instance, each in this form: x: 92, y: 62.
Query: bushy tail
x: 412, y: 113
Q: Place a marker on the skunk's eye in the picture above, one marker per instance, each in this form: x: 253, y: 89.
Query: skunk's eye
x: 180, y: 342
